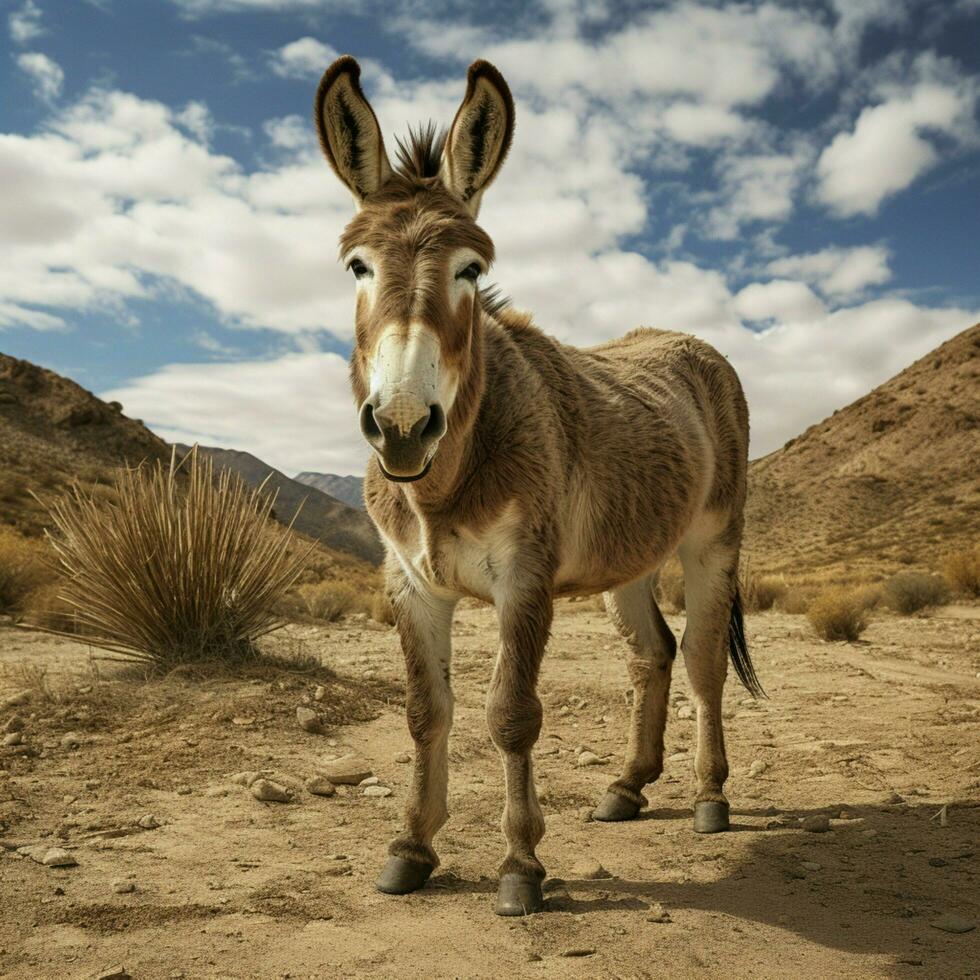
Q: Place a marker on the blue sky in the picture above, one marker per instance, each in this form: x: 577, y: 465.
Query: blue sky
x: 799, y: 183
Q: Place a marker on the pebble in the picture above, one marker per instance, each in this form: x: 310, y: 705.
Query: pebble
x: 148, y: 822
x: 14, y: 724
x: 114, y: 973
x: 71, y: 741
x: 319, y: 693
x: 403, y: 757
x: 245, y: 778
x: 811, y: 865
x: 321, y: 786
x: 580, y: 951
x: 588, y: 759
x: 377, y: 791
x: 370, y: 781
x: 816, y: 824
x: 347, y: 771
x: 308, y: 720
x: 685, y: 712
x: 937, y: 863
x: 269, y: 792
x: 757, y: 768
x: 58, y: 857
x: 951, y: 922
x: 13, y: 738
x: 588, y: 870
x: 892, y: 798
x: 123, y: 887
x: 657, y: 913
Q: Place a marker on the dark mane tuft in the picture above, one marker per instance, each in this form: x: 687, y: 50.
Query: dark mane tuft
x: 493, y: 301
x: 419, y: 156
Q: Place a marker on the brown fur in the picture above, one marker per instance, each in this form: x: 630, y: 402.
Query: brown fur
x: 563, y: 471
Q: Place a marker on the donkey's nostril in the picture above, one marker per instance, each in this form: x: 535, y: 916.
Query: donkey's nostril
x: 435, y: 427
x: 369, y: 424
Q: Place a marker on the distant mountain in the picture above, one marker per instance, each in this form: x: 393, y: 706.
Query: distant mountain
x: 349, y: 489
x: 54, y: 433
x: 321, y: 517
x: 889, y: 481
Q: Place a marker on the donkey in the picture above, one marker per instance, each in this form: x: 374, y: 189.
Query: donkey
x: 515, y: 469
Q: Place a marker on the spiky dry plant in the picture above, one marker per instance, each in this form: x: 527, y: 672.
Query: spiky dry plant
x: 178, y: 569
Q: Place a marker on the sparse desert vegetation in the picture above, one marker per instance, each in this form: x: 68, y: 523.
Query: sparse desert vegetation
x: 962, y: 570
x: 838, y: 614
x: 909, y: 592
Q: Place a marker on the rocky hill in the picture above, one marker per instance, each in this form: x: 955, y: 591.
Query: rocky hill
x: 320, y: 516
x: 347, y: 489
x: 890, y: 481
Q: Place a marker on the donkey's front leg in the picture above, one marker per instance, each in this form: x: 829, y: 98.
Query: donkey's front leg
x: 514, y: 716
x: 424, y: 623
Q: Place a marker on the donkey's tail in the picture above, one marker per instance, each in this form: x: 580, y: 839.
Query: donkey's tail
x: 739, y: 651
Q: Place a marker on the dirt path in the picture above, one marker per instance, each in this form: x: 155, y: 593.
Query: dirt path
x: 877, y: 736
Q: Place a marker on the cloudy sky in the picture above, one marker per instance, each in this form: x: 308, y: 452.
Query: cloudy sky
x: 799, y: 183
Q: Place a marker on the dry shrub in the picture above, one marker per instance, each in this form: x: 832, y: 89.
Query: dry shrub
x: 46, y: 607
x: 382, y: 610
x: 670, y: 588
x: 962, y: 570
x: 177, y: 570
x: 330, y: 601
x: 795, y: 601
x: 23, y: 569
x: 908, y: 592
x: 838, y: 614
x: 760, y: 592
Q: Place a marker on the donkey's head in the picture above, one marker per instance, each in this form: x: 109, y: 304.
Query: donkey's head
x: 416, y: 253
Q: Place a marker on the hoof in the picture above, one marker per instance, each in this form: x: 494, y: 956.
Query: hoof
x: 401, y: 877
x: 710, y: 817
x: 615, y: 807
x: 519, y: 895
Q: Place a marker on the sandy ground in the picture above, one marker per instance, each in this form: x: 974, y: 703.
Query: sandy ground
x: 877, y: 735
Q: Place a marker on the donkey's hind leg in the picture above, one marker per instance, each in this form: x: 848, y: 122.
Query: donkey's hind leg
x: 710, y: 562
x: 652, y: 647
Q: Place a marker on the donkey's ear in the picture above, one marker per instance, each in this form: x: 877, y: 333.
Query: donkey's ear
x: 349, y: 131
x: 480, y: 135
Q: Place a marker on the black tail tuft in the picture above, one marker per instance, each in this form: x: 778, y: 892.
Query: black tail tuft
x: 739, y: 651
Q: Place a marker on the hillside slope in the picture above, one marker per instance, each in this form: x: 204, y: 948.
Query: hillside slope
x: 889, y: 481
x: 320, y: 516
x: 54, y: 433
x: 347, y: 489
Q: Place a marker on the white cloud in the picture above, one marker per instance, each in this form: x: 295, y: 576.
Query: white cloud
x: 782, y: 300
x: 839, y: 272
x: 46, y: 75
x: 295, y: 412
x: 24, y: 23
x: 893, y: 142
x: 304, y: 58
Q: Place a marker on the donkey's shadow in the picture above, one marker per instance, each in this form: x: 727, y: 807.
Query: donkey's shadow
x: 872, y: 892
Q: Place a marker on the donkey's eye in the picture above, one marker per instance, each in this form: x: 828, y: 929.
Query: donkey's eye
x: 471, y: 273
x: 359, y: 269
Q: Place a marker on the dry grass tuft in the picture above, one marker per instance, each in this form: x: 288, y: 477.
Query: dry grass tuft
x: 23, y: 569
x: 175, y: 571
x: 908, y: 592
x: 330, y: 601
x: 382, y: 610
x: 962, y: 570
x: 838, y: 614
x: 760, y: 592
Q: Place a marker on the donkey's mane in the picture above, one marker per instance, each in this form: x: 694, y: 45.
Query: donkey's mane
x: 420, y: 153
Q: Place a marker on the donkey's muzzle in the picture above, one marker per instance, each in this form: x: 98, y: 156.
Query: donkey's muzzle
x: 405, y: 437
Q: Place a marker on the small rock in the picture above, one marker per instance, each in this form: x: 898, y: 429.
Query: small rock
x: 377, y: 791
x: 321, y: 786
x: 657, y: 913
x: 245, y: 778
x: 580, y: 951
x: 588, y: 759
x: 346, y: 771
x: 370, y: 781
x: 123, y: 887
x: 757, y: 768
x: 14, y: 724
x: 319, y: 693
x: 93, y: 783
x: 587, y: 870
x: 811, y: 865
x: 184, y: 790
x: 71, y: 741
x: 269, y: 792
x: 58, y: 857
x: 113, y: 973
x: 403, y: 757
x: 148, y: 822
x: 892, y: 798
x: 951, y: 922
x: 685, y: 712
x: 870, y: 832
x: 816, y: 824
x: 937, y: 863
x: 17, y: 699
x: 13, y: 738
x: 308, y: 720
